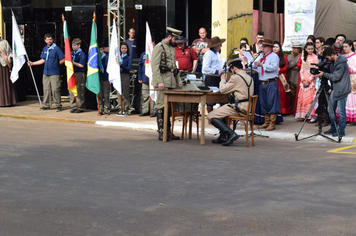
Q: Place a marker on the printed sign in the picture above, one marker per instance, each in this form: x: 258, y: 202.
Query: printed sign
x: 299, y: 21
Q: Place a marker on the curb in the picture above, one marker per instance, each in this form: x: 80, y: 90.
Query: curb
x: 24, y: 117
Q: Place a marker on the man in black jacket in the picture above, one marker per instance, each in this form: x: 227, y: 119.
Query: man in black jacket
x: 340, y: 77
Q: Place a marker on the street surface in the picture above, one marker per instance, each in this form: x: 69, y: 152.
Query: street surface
x: 65, y: 178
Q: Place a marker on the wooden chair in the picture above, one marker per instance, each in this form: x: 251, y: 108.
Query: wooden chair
x: 190, y: 115
x: 185, y: 115
x: 246, y: 120
x: 177, y: 112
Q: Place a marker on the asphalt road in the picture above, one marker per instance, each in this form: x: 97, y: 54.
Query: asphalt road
x: 59, y: 178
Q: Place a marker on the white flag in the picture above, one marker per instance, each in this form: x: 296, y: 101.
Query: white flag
x: 148, y: 58
x: 18, y: 51
x: 114, y: 59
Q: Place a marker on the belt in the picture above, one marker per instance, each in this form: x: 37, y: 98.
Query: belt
x: 267, y: 81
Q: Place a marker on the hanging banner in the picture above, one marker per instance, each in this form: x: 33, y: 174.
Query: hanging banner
x: 299, y: 21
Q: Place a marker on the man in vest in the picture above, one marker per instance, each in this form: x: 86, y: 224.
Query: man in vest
x: 268, y: 65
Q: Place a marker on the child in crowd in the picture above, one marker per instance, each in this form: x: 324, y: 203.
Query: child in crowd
x: 79, y: 59
x: 126, y: 63
x: 307, y: 81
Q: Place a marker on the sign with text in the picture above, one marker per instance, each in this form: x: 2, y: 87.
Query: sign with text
x: 299, y: 20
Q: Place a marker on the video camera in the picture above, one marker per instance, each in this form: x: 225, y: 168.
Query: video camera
x: 320, y: 65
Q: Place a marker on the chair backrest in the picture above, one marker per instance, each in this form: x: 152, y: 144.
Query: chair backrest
x: 252, y: 101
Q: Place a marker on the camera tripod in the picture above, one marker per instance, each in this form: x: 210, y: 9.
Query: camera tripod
x: 321, y: 110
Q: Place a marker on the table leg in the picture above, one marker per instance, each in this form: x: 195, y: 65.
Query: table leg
x: 165, y: 117
x: 202, y: 134
x: 190, y: 126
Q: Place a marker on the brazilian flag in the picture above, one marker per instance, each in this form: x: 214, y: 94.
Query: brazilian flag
x: 94, y: 62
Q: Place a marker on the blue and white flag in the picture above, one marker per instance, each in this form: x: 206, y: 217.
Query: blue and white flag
x: 114, y: 60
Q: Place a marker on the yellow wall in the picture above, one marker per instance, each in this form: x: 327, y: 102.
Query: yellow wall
x: 232, y: 20
x: 1, y: 23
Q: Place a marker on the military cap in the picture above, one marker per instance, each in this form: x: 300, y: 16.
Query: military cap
x: 173, y: 32
x: 234, y: 62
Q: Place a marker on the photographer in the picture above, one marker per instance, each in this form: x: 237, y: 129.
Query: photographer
x: 324, y: 65
x: 340, y: 77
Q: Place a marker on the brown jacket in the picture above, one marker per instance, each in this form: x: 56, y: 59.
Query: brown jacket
x: 237, y: 86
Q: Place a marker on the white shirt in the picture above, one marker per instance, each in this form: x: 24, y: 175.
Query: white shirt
x: 270, y: 67
x: 212, y: 63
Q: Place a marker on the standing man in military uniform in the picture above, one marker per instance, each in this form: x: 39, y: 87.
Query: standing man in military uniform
x: 240, y: 87
x: 165, y: 75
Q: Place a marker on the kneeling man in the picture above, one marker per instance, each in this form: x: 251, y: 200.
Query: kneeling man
x: 240, y: 87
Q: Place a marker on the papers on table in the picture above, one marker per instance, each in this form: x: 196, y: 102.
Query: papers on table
x: 214, y: 89
x: 191, y: 77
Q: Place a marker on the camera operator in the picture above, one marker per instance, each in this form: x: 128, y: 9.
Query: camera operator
x: 324, y: 66
x: 340, y: 77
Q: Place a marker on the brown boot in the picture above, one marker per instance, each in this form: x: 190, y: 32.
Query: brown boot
x: 267, y: 121
x: 272, y: 124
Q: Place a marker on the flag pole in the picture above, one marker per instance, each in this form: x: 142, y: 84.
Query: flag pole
x: 33, y: 77
x: 97, y: 96
x: 121, y: 105
x: 149, y: 83
x: 75, y: 97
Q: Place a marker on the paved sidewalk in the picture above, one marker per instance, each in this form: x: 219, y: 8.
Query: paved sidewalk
x: 286, y: 130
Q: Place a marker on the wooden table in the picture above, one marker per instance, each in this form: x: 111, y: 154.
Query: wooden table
x: 200, y: 96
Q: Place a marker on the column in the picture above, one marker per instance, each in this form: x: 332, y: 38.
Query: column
x: 232, y: 19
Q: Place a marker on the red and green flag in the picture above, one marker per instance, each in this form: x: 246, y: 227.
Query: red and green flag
x: 72, y: 85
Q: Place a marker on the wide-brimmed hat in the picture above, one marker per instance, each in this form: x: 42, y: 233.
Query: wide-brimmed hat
x: 180, y: 39
x: 234, y: 61
x: 267, y: 42
x: 215, y: 42
x: 296, y: 44
x: 173, y: 31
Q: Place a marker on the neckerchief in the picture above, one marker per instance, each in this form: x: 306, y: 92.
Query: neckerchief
x: 101, y: 66
x: 263, y: 60
x: 50, y: 48
x: 75, y: 53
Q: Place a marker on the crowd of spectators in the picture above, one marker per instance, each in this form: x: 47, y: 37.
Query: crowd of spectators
x: 297, y: 86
